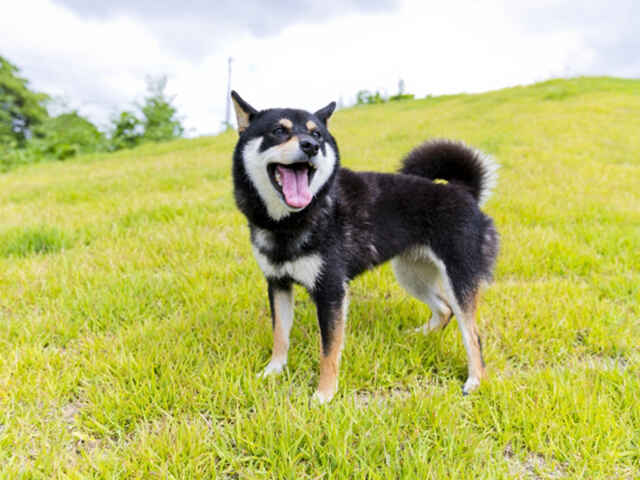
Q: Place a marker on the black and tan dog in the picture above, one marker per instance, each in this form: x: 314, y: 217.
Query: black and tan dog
x: 320, y: 225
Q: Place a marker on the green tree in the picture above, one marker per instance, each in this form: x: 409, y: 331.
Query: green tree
x: 160, y: 118
x: 366, y: 97
x: 21, y: 109
x: 66, y: 135
x: 126, y: 131
x: 156, y: 119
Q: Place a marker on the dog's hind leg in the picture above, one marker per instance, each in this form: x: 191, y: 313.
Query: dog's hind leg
x: 425, y: 276
x: 466, y: 317
x: 441, y: 312
x: 422, y: 279
x: 281, y: 302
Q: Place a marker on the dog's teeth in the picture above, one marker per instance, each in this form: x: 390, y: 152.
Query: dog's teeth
x: 278, y: 179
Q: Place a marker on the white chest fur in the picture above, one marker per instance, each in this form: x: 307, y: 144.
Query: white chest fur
x: 304, y: 270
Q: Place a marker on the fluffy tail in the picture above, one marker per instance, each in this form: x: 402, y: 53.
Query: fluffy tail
x: 456, y: 163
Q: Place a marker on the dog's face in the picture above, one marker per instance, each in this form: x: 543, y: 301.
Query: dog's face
x: 288, y: 155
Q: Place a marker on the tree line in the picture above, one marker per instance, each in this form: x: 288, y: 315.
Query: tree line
x: 29, y: 133
x: 367, y: 97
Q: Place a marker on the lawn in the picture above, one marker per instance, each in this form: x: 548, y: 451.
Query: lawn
x: 134, y: 319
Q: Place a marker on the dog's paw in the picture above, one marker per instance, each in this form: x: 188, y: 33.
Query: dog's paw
x: 437, y: 322
x: 423, y: 330
x: 470, y: 385
x: 274, y: 368
x: 426, y: 329
x: 322, y: 397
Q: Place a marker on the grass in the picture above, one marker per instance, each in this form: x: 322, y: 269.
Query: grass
x: 133, y: 318
x: 22, y: 242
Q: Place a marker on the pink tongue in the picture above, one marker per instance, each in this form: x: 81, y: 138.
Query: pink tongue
x: 295, y: 186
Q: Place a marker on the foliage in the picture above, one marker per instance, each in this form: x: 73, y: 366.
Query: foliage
x: 29, y: 134
x: 366, y: 97
x: 155, y: 120
x: 20, y: 108
x: 160, y: 118
x: 11, y: 157
x: 59, y: 138
x: 127, y: 131
x: 131, y: 335
x: 67, y: 135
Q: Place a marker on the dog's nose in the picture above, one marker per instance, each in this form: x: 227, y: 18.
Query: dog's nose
x: 309, y: 146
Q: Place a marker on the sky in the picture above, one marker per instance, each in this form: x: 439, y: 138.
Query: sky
x: 95, y: 56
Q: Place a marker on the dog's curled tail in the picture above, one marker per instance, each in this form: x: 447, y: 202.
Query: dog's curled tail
x: 456, y: 163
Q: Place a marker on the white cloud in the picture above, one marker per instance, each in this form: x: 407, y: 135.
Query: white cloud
x: 99, y: 62
x: 609, y: 30
x: 434, y: 51
x: 193, y: 27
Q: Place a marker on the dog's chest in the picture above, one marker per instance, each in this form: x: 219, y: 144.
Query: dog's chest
x: 304, y: 268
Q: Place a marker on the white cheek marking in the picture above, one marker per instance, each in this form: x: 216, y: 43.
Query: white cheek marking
x: 255, y: 163
x: 325, y: 164
x: 304, y: 270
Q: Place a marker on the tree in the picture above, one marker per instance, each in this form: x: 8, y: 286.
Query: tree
x: 366, y: 97
x: 20, y: 108
x: 160, y: 116
x: 126, y: 132
x: 68, y: 134
x: 155, y: 120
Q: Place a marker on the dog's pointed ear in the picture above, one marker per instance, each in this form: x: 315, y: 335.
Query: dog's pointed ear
x: 324, y: 113
x: 244, y: 111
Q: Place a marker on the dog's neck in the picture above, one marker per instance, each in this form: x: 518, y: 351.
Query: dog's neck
x: 296, y: 234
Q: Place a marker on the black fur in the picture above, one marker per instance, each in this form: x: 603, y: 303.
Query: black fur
x: 389, y: 212
x: 361, y: 219
x: 448, y: 160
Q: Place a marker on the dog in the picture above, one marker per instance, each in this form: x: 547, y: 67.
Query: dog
x: 317, y: 224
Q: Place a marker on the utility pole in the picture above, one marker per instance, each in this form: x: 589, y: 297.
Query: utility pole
x: 227, y: 118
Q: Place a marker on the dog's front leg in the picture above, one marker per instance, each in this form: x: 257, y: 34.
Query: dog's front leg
x: 281, y: 303
x: 332, y: 317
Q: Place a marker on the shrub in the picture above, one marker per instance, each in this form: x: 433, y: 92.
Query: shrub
x: 366, y: 97
x: 67, y: 135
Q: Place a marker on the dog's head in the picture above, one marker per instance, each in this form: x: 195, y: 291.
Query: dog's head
x: 287, y: 155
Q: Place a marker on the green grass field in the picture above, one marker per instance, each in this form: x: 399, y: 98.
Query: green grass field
x: 134, y: 319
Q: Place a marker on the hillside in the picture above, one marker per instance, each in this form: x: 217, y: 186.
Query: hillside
x: 134, y: 319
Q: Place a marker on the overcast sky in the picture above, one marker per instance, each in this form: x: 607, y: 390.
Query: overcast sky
x: 306, y: 53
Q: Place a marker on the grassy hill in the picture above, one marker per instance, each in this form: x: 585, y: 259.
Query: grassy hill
x: 133, y: 318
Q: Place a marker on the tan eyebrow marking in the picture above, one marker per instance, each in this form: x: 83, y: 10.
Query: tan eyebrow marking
x: 286, y: 123
x: 311, y: 125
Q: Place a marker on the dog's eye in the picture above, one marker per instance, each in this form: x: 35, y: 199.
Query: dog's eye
x: 316, y: 134
x: 278, y: 131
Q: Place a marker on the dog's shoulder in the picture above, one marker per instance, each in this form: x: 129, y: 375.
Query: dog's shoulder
x: 353, y: 186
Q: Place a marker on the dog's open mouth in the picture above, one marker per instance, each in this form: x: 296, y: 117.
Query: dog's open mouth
x: 292, y: 182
